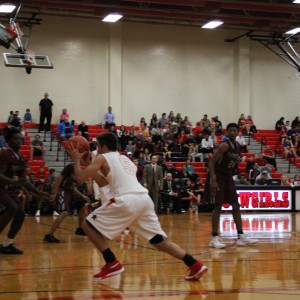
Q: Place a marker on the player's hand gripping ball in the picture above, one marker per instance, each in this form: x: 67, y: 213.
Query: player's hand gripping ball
x: 82, y: 145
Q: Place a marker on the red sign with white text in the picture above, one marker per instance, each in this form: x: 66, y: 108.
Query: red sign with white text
x: 263, y: 200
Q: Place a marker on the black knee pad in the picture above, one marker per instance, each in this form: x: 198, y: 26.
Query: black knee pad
x: 156, y: 239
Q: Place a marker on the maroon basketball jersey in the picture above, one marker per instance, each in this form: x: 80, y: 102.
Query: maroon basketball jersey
x: 227, y: 162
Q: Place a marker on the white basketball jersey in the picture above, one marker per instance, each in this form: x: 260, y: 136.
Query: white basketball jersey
x: 122, y: 176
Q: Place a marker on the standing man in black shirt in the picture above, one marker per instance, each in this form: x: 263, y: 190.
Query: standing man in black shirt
x: 45, y: 106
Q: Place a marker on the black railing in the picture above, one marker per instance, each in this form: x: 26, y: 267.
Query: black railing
x: 263, y: 142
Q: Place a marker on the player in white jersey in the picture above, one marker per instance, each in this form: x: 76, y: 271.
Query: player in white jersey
x: 130, y: 207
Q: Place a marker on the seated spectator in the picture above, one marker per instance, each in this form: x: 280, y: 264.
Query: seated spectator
x: 27, y: 116
x: 65, y: 129
x: 287, y: 126
x: 207, y: 147
x: 193, y: 151
x: 262, y: 163
x: 189, y: 167
x: 167, y: 151
x: 170, y: 195
x: 296, y: 181
x: 64, y: 115
x: 250, y: 164
x: 296, y: 122
x: 186, y: 194
x: 218, y: 127
x: 138, y: 148
x: 198, y: 194
x: 242, y: 122
x: 285, y: 181
x: 162, y: 121
x: 2, y: 139
x: 205, y: 124
x: 253, y: 173
x: 112, y: 128
x: 84, y: 130
x: 262, y: 179
x: 250, y: 122
x: 242, y: 180
x: 279, y: 126
x: 122, y: 136
x: 41, y: 175
x: 10, y: 117
x: 149, y: 145
x: 37, y: 148
x: 143, y: 133
x: 93, y: 145
x: 52, y: 175
x: 129, y: 147
x: 153, y: 122
x: 147, y: 155
x: 242, y: 142
x: 182, y: 140
x: 288, y: 148
x: 213, y: 138
x: 176, y: 174
x: 268, y: 155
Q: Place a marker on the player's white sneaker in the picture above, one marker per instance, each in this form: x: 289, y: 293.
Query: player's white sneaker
x: 216, y: 242
x: 55, y: 213
x: 38, y: 213
x: 243, y: 240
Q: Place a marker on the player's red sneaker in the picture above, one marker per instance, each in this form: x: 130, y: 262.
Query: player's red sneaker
x: 196, y: 271
x: 110, y: 269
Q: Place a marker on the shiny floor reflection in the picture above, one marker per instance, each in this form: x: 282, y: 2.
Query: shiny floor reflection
x: 268, y: 270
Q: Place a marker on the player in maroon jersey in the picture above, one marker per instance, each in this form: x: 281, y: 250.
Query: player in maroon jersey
x: 220, y: 187
x: 12, y: 177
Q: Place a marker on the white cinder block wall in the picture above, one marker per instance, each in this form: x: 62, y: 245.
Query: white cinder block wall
x: 139, y: 69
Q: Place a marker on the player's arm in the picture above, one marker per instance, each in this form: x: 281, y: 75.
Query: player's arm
x: 223, y: 147
x: 100, y: 180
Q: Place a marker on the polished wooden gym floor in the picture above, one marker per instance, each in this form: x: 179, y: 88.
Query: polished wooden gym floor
x: 268, y: 270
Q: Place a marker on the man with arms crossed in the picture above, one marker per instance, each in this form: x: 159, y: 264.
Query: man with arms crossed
x: 131, y: 207
x: 220, y: 187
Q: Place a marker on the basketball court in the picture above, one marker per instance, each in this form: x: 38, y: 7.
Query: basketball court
x: 268, y: 270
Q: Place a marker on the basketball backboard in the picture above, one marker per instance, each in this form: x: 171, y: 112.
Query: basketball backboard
x: 21, y: 60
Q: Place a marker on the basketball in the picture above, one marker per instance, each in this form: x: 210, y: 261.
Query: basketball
x: 79, y: 143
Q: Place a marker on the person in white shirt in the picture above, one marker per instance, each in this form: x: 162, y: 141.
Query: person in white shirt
x: 131, y: 207
x: 242, y: 142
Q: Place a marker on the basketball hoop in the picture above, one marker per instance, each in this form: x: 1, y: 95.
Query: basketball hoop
x: 29, y: 58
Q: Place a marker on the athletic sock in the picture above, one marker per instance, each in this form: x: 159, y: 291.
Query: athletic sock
x: 7, y: 242
x: 214, y: 234
x: 108, y: 256
x: 189, y: 260
x: 240, y: 232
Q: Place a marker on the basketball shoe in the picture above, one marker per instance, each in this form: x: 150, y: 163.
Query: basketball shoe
x: 196, y: 271
x: 243, y: 240
x: 50, y: 238
x: 216, y: 242
x: 109, y: 269
x: 10, y: 249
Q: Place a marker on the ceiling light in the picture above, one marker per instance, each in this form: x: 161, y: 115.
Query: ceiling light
x: 112, y: 18
x: 212, y: 24
x: 7, y: 7
x: 293, y: 31
x: 296, y: 1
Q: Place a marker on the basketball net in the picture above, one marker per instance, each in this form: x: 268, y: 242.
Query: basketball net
x: 29, y: 58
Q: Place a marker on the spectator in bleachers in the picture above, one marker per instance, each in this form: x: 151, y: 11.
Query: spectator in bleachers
x: 138, y: 148
x: 10, y: 117
x: 262, y: 179
x: 109, y: 118
x: 197, y: 132
x: 153, y: 122
x: 193, y: 151
x: 129, y: 147
x: 131, y: 134
x: 219, y: 126
x: 205, y: 124
x: 285, y: 181
x: 84, y: 129
x: 296, y: 122
x: 163, y: 120
x: 187, y: 123
x: 287, y: 126
x: 198, y: 193
x: 250, y: 122
x: 27, y: 116
x: 182, y: 141
x: 64, y: 115
x: 147, y: 155
x: 143, y: 133
x: 178, y: 118
x: 122, y: 136
x: 186, y: 195
x: 207, y: 147
x: 37, y: 148
x: 296, y: 180
x: 112, y: 128
x: 45, y: 107
x: 149, y: 145
x: 65, y: 129
x: 41, y: 174
x: 93, y: 145
x: 155, y: 130
x: 288, y: 148
x: 261, y: 161
x: 170, y: 196
x: 167, y: 153
x: 242, y: 122
x: 242, y: 180
x: 176, y: 174
x: 253, y: 173
x: 242, y: 142
x: 3, y: 143
x: 30, y: 196
x: 171, y: 116
x: 167, y: 136
x: 279, y: 126
x: 268, y: 154
x: 52, y: 175
x: 139, y: 170
x: 250, y: 164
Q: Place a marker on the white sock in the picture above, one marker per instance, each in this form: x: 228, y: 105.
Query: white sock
x: 7, y: 242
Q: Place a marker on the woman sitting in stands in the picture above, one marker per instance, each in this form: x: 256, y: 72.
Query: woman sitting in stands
x: 167, y: 151
x: 64, y: 115
x: 288, y: 148
x: 284, y: 180
x: 251, y: 123
x: 242, y: 122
